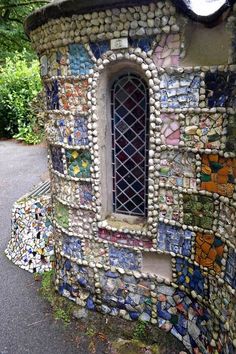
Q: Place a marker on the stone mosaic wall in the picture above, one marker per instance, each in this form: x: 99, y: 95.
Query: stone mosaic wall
x: 31, y: 246
x: 192, y: 173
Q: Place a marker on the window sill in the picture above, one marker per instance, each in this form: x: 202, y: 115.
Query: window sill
x: 125, y: 223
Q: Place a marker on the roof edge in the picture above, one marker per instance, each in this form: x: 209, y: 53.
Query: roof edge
x: 75, y: 7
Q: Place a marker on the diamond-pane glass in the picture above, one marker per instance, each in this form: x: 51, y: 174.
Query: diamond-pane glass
x: 130, y: 124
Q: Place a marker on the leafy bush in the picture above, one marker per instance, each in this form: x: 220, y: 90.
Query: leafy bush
x: 19, y: 85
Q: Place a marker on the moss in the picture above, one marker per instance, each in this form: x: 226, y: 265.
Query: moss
x: 62, y: 308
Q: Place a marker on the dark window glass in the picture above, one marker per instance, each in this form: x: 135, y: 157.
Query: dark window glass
x: 130, y: 126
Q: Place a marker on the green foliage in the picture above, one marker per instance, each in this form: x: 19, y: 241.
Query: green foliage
x: 12, y: 36
x: 140, y: 331
x: 19, y: 85
x: 28, y: 135
x: 61, y: 314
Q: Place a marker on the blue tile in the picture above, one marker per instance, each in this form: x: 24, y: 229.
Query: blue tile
x: 99, y: 48
x: 174, y: 239
x: 80, y: 61
x: 124, y: 258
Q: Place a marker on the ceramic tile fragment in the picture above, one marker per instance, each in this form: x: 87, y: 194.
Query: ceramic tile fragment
x: 174, y: 239
x: 209, y: 251
x: 218, y: 174
x: 198, y: 211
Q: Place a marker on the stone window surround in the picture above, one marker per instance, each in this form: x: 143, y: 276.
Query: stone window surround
x: 105, y: 82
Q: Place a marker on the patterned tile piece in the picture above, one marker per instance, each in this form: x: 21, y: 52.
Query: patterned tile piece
x: 218, y: 174
x: 125, y: 239
x: 230, y: 273
x: 203, y: 131
x: 178, y: 169
x: 209, y: 251
x: 169, y: 205
x: 80, y: 61
x: 64, y: 131
x: 124, y: 258
x: 170, y: 130
x: 68, y: 131
x: 80, y: 131
x: 145, y: 43
x: 57, y: 62
x: 61, y: 214
x: 198, y: 211
x: 174, y: 239
x: 31, y: 246
x: 220, y: 89
x: 85, y: 194
x: 57, y: 159
x: 63, y: 189
x: 99, y: 48
x: 231, y: 134
x: 180, y: 91
x: 78, y: 163
x: 73, y: 96
x: 127, y: 293
x: 52, y: 95
x: 71, y: 246
x: 167, y: 51
x: 95, y: 252
x: 76, y: 282
x: 190, y: 276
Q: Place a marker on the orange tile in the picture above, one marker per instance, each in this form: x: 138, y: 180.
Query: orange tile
x: 212, y: 254
x: 206, y: 247
x: 224, y: 171
x: 221, y: 179
x: 203, y: 255
x: 205, y: 160
x: 214, y: 177
x: 203, y: 185
x: 198, y: 252
x: 206, y: 169
x: 210, y: 186
x: 213, y: 158
x: 220, y: 250
x: 199, y: 239
x: 209, y: 238
x: 207, y: 263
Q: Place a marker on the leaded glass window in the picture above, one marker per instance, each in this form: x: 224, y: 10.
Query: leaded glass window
x: 130, y: 140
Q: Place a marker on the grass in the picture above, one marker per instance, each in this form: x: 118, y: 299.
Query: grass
x: 140, y: 331
x: 62, y: 308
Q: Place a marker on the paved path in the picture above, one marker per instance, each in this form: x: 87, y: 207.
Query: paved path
x: 26, y: 325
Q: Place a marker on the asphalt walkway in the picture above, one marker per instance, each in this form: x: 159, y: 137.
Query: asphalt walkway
x: 26, y: 324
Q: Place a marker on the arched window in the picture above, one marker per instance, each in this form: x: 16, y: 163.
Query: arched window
x: 130, y: 140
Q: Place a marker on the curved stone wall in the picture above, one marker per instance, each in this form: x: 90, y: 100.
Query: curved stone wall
x: 176, y: 270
